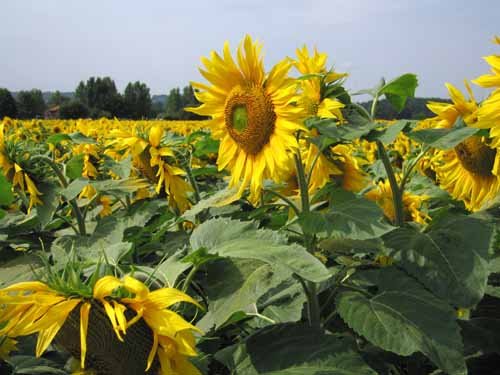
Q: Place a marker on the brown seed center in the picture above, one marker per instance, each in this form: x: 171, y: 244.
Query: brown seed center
x: 475, y: 156
x: 250, y: 118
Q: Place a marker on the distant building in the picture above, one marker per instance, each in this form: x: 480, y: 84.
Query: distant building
x: 52, y: 112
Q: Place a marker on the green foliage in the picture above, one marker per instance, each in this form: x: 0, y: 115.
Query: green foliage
x: 137, y: 100
x: 6, y: 195
x: 288, y: 349
x: 402, y: 317
x: 100, y: 96
x: 450, y: 259
x: 73, y: 109
x: 30, y: 104
x: 8, y: 105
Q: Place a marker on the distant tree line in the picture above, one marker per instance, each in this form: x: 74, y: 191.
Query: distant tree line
x: 415, y: 109
x: 98, y: 97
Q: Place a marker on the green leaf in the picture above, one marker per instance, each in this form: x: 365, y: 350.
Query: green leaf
x: 74, y: 188
x: 349, y: 132
x: 234, y: 286
x: 355, y: 217
x: 74, y: 167
x: 6, y: 194
x: 399, y: 89
x: 50, y: 199
x: 121, y: 168
x: 18, y: 269
x: 390, y: 132
x: 443, y: 139
x: 58, y: 138
x: 481, y: 334
x: 293, y: 349
x: 451, y: 259
x: 404, y: 318
x: 79, y: 138
x: 214, y: 200
x: 237, y: 239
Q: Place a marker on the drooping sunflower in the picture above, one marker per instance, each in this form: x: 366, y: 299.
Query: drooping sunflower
x: 149, y: 156
x: 251, y: 114
x: 467, y: 171
x: 34, y: 307
x: 16, y: 174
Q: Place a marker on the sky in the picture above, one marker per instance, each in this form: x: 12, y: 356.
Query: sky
x: 54, y: 44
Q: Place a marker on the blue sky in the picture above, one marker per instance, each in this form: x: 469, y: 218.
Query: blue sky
x: 53, y: 44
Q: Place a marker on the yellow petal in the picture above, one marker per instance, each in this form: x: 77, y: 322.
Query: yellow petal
x: 152, y: 353
x: 166, y: 297
x: 135, y: 286
x: 84, y: 323
x: 105, y: 286
x: 155, y: 135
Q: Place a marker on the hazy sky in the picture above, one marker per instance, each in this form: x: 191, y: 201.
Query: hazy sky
x: 53, y: 44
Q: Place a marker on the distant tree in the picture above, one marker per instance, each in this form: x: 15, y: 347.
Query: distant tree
x: 8, y: 105
x: 30, y: 104
x: 174, y: 104
x: 73, y: 109
x: 137, y: 101
x: 189, y: 100
x: 57, y: 99
x: 100, y: 96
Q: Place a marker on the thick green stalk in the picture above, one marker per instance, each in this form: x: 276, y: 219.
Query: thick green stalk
x: 309, y: 286
x: 397, y: 195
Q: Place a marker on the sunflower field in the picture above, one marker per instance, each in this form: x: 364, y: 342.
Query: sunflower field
x: 292, y: 233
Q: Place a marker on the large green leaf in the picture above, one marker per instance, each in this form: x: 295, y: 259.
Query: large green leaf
x: 404, y: 318
x: 329, y: 128
x: 451, y: 259
x: 388, y: 134
x: 399, y: 89
x: 293, y: 349
x: 234, y: 286
x: 354, y: 217
x: 442, y: 138
x: 50, y: 199
x: 6, y: 195
x: 237, y: 239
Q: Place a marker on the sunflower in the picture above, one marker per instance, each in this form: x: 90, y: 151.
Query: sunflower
x: 251, y: 115
x: 489, y: 112
x: 311, y: 102
x: 412, y: 203
x: 34, y: 307
x: 16, y: 174
x: 468, y: 171
x: 150, y: 158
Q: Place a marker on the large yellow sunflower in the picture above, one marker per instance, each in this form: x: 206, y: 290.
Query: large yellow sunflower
x: 251, y: 115
x: 467, y: 171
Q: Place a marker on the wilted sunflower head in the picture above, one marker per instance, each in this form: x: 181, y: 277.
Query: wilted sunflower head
x: 251, y: 114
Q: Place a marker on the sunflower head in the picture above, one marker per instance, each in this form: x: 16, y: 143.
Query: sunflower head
x: 251, y: 114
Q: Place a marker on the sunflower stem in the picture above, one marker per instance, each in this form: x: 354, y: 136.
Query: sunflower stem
x: 191, y: 178
x: 309, y: 286
x: 374, y: 106
x: 286, y: 200
x: 189, y: 279
x: 397, y: 196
